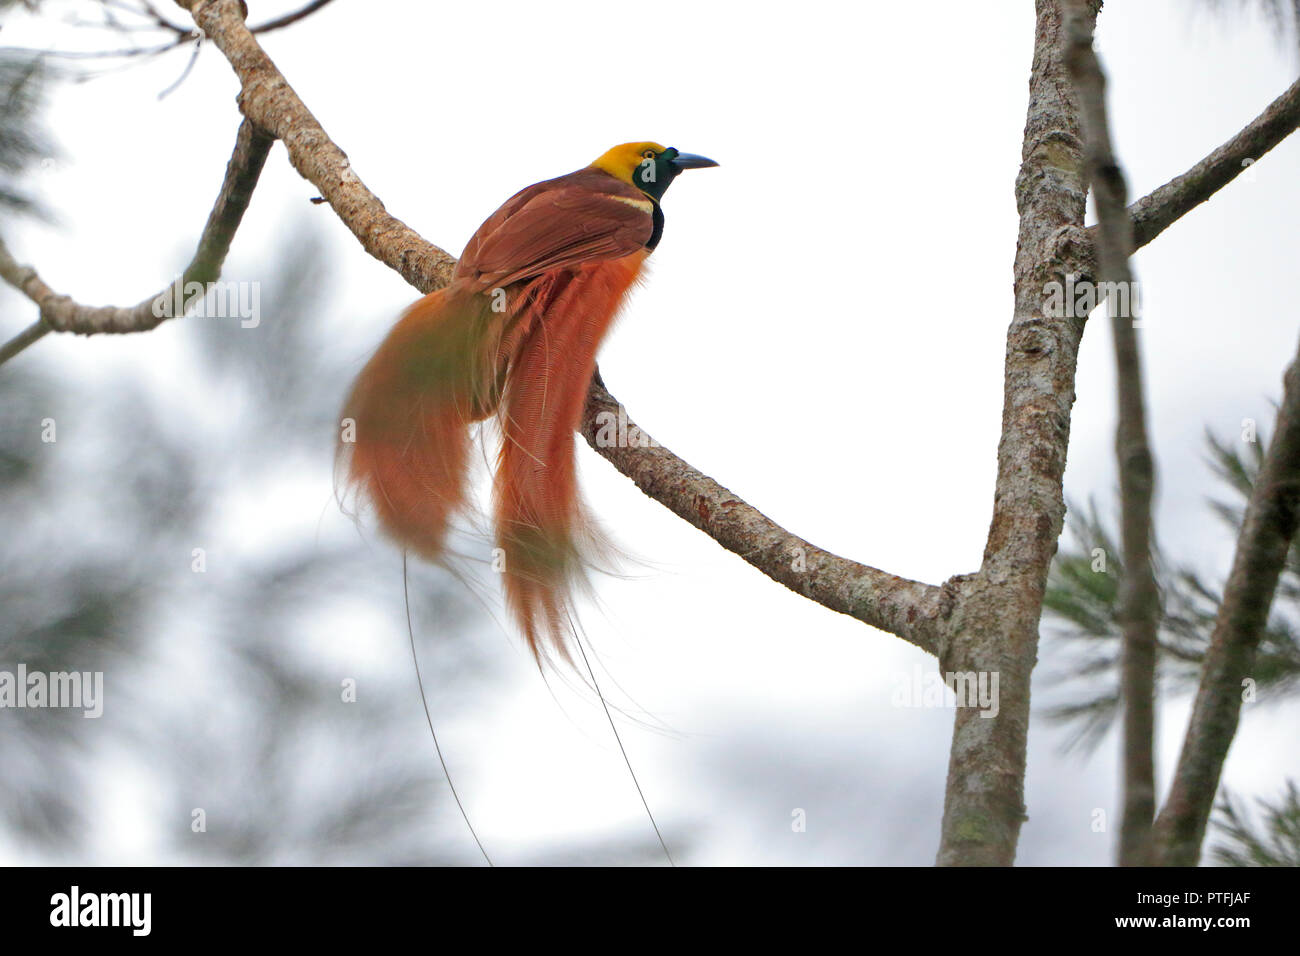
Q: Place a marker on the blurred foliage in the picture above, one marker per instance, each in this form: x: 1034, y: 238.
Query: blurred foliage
x: 1082, y: 603
x: 1274, y: 843
x: 1081, y: 606
x: 24, y: 142
x: 1282, y: 17
x: 223, y: 690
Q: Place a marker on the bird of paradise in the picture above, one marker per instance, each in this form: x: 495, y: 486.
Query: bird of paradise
x: 514, y: 335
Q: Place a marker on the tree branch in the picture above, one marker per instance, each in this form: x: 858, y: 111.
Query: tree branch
x: 1157, y: 211
x: 993, y: 631
x: 1139, y: 598
x: 901, y: 607
x: 60, y: 313
x: 1266, y: 532
x: 907, y: 609
x: 266, y: 98
x: 28, y: 336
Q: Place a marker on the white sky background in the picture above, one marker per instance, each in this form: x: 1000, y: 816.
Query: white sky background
x: 822, y: 332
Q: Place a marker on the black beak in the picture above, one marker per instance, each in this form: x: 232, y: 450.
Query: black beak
x: 691, y: 161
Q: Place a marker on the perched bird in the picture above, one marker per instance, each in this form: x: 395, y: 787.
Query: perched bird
x: 513, y: 335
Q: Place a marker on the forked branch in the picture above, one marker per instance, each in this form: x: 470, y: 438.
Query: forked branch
x: 60, y: 313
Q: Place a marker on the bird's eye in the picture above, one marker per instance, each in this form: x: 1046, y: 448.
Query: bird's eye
x: 648, y: 154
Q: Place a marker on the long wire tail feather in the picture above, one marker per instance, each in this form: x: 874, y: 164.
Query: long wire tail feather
x: 623, y: 750
x: 410, y: 630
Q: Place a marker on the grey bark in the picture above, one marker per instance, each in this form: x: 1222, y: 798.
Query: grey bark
x: 994, y: 625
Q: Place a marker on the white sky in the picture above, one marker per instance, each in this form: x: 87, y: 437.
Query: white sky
x: 822, y: 332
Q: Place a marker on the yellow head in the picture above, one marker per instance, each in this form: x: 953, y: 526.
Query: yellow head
x: 648, y: 166
x: 622, y: 161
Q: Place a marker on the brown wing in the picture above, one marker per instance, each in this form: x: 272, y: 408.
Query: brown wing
x: 585, y: 216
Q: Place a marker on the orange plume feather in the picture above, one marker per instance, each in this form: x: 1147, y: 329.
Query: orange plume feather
x: 514, y: 335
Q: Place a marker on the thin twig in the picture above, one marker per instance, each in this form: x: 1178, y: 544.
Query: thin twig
x: 290, y: 18
x: 182, y: 36
x: 1139, y: 600
x: 189, y: 66
x: 1158, y: 210
x: 23, y: 339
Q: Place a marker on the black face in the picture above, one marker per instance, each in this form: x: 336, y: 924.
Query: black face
x: 657, y: 170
